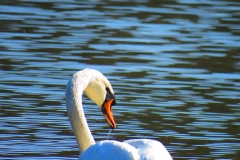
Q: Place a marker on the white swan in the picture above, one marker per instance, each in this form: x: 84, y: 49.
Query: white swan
x: 97, y: 88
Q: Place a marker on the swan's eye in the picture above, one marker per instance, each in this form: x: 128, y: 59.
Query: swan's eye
x: 108, y: 90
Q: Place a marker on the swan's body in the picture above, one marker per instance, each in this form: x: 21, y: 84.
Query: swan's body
x: 97, y: 88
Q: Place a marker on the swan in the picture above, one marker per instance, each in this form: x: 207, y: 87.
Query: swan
x: 97, y: 87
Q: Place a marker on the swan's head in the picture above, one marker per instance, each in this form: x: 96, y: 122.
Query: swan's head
x: 100, y: 91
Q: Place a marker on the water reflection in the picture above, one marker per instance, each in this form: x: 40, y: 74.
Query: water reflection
x: 174, y: 67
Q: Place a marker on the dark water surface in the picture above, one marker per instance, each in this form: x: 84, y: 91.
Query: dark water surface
x: 174, y: 66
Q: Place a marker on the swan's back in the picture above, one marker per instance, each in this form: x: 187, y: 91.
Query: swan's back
x: 110, y: 150
x: 136, y: 149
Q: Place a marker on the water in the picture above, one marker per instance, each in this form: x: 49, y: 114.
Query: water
x: 109, y: 133
x: 174, y: 66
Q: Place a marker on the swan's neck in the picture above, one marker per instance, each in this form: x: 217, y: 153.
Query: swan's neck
x: 74, y: 92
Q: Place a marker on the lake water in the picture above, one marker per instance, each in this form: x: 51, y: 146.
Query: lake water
x: 174, y: 66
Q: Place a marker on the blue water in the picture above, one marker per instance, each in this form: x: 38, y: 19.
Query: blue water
x: 174, y: 67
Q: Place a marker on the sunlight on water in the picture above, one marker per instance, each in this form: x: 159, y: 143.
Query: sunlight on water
x: 174, y: 67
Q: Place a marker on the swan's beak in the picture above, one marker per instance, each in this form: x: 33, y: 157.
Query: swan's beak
x: 107, y: 112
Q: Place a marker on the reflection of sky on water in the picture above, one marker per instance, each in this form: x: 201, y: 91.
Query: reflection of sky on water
x: 174, y: 67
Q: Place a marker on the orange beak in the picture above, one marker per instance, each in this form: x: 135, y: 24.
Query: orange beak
x: 108, y: 113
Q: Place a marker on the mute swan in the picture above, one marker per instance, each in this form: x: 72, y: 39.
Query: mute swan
x: 98, y: 89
